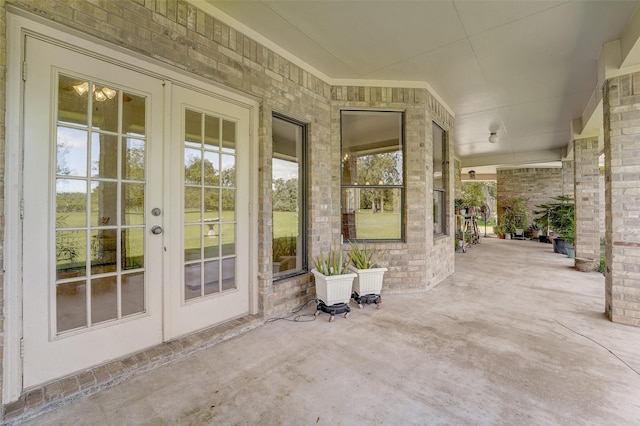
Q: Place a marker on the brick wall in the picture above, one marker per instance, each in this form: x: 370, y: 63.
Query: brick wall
x: 622, y: 180
x: 539, y: 185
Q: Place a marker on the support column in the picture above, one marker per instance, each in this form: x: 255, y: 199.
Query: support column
x: 621, y: 102
x: 586, y: 195
x: 567, y: 176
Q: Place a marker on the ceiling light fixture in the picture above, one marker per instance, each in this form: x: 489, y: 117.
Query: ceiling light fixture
x: 99, y: 94
x: 493, y: 138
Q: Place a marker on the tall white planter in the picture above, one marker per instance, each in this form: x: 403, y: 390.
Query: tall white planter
x: 333, y: 289
x: 368, y: 281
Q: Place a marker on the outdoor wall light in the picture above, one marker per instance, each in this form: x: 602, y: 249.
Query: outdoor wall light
x: 472, y: 174
x: 493, y: 137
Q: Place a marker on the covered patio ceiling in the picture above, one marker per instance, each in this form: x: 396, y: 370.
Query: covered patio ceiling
x: 527, y: 70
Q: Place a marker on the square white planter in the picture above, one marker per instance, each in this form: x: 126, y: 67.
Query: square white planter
x: 333, y: 289
x: 368, y: 281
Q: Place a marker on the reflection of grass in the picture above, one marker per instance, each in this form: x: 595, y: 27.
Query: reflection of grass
x: 377, y: 226
x: 285, y: 224
x: 75, y: 240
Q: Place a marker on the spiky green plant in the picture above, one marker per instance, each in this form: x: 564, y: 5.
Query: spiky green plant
x: 333, y: 264
x: 363, y: 257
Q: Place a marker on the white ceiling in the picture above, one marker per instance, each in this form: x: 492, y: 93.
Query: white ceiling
x: 523, y: 69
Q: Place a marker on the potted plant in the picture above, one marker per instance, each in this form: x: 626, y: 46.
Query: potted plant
x: 534, y: 230
x: 458, y: 205
x: 333, y: 283
x: 513, y: 215
x: 367, y: 285
x: 558, y: 216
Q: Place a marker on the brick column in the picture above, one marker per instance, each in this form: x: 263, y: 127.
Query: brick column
x: 622, y: 194
x: 586, y: 194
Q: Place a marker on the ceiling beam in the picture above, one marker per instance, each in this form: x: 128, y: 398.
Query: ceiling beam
x: 515, y: 158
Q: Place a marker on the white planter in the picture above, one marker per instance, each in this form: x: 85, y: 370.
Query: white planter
x: 368, y: 281
x: 333, y: 289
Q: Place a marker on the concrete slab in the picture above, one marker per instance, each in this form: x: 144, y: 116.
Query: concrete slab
x: 515, y: 336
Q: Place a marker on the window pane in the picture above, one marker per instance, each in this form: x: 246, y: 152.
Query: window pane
x: 192, y: 165
x: 288, y: 202
x: 372, y: 174
x: 228, y: 137
x: 212, y: 132
x: 192, y: 204
x: 372, y: 213
x: 192, y: 242
x: 211, y: 168
x: 228, y: 237
x: 193, y: 128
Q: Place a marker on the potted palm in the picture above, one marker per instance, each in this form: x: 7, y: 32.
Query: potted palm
x: 559, y: 215
x: 333, y: 283
x: 367, y: 285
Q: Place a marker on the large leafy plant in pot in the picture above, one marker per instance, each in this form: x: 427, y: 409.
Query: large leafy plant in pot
x: 558, y: 215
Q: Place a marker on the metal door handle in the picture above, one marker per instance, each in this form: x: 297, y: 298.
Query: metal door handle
x: 156, y: 230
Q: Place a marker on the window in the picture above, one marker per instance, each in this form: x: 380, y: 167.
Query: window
x: 372, y: 175
x: 439, y: 181
x: 289, y: 205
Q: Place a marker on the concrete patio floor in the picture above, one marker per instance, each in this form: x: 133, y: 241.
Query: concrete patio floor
x: 515, y: 337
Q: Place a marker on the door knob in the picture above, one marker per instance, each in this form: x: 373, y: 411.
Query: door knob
x: 156, y: 230
x: 156, y: 211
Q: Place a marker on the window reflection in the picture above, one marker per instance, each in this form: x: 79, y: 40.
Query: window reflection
x: 288, y: 197
x: 372, y: 175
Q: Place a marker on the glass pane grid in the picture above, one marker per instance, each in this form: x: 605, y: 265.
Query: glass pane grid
x: 93, y: 206
x: 208, y: 210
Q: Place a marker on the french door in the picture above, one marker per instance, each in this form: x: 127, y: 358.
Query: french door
x: 134, y: 232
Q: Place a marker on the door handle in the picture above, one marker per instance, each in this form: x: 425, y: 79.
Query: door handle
x: 156, y: 230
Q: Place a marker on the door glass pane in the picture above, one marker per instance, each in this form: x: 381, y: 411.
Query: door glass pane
x: 209, y: 231
x: 228, y: 237
x: 211, y: 277
x: 133, y: 159
x: 132, y: 293
x: 104, y: 156
x: 104, y: 203
x: 100, y: 196
x: 132, y: 248
x: 71, y: 203
x: 71, y: 254
x: 133, y: 114
x: 73, y: 101
x: 192, y: 204
x: 71, y: 151
x: 192, y: 280
x: 229, y: 274
x: 105, y: 108
x: 104, y: 299
x: 192, y: 242
x: 133, y: 203
x: 104, y: 251
x: 71, y: 304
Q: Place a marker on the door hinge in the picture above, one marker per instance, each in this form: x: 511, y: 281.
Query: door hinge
x: 21, y: 209
x: 22, y: 347
x: 24, y: 71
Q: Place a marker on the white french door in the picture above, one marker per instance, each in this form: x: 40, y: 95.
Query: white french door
x: 131, y: 236
x: 209, y: 222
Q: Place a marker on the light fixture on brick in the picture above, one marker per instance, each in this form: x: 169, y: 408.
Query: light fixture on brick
x: 493, y: 137
x: 472, y: 174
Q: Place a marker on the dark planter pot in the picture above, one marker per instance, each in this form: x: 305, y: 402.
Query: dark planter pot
x: 561, y: 246
x: 543, y: 238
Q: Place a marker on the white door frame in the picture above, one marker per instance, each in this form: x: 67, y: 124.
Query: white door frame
x: 17, y: 26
